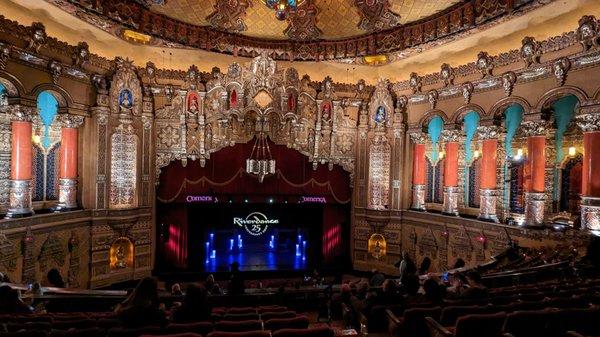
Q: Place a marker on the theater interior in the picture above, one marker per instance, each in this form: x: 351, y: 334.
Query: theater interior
x: 316, y: 168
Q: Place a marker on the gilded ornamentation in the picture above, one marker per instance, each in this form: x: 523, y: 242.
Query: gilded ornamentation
x: 19, y: 198
x: 418, y: 197
x: 588, y: 31
x: 67, y: 194
x: 418, y: 137
x: 73, y: 273
x: 447, y: 74
x: 467, y: 91
x: 123, y: 169
x: 71, y: 121
x: 22, y: 113
x: 126, y: 90
x: 534, y: 208
x: 8, y: 254
x: 530, y: 51
x: 590, y: 213
x: 508, y: 82
x: 302, y: 23
x: 229, y: 15
x: 100, y: 83
x: 37, y: 37
x: 484, y: 64
x: 534, y: 128
x: 488, y: 132
x: 450, y: 205
x: 381, y: 105
x: 81, y: 54
x: 379, y: 172
x: 4, y: 55
x: 432, y: 98
x: 487, y: 204
x: 415, y: 82
x: 150, y: 71
x: 52, y: 251
x: 588, y: 122
x: 450, y: 136
x: 560, y: 68
x: 376, y: 15
x: 55, y: 68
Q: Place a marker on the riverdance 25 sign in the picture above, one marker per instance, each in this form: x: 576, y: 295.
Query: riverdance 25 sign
x: 255, y: 223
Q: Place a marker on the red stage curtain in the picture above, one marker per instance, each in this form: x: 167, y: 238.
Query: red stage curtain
x: 333, y: 221
x: 174, y: 218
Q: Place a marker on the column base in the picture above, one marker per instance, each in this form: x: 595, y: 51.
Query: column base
x: 450, y: 206
x: 418, y: 198
x: 67, y: 195
x: 487, y: 205
x: 534, y: 209
x: 590, y: 213
x: 19, y: 199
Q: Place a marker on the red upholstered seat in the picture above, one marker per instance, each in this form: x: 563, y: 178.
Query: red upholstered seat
x: 412, y: 322
x: 122, y: 332
x: 281, y: 314
x: 313, y: 332
x: 25, y: 333
x: 451, y: 314
x: 185, y: 334
x: 529, y: 323
x: 42, y: 326
x: 300, y: 322
x: 76, y: 324
x: 107, y: 323
x: 92, y: 332
x: 244, y: 310
x: 201, y: 328
x: 271, y: 308
x: 241, y: 326
x: 240, y: 317
x: 258, y: 333
x: 480, y: 325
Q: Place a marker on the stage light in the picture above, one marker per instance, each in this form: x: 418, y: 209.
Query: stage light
x: 246, y: 200
x: 476, y: 154
x: 572, y: 151
x: 298, y: 250
x: 213, y: 254
x: 212, y: 237
x: 231, y: 244
x: 271, y: 200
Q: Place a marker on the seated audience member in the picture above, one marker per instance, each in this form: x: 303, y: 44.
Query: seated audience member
x: 406, y: 266
x: 55, y: 279
x: 212, y: 288
x: 377, y: 279
x: 176, y: 290
x: 459, y: 263
x: 194, y: 307
x: 475, y: 289
x: 236, y: 281
x: 11, y: 302
x: 36, y: 289
x: 425, y: 265
x: 141, y: 307
x: 433, y: 291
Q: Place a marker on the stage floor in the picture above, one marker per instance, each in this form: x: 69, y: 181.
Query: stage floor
x: 257, y: 259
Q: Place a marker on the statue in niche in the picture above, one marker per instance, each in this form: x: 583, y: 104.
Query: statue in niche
x: 125, y: 101
x: 209, y: 137
x: 291, y: 103
x: 326, y: 111
x: 380, y: 115
x: 193, y: 104
x: 216, y: 79
x: 233, y: 99
x: 327, y: 91
x: 361, y: 90
x: 120, y: 256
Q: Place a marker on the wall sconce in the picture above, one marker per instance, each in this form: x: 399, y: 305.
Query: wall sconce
x: 572, y: 151
x: 476, y: 154
x: 519, y: 154
x: 36, y: 139
x: 442, y: 154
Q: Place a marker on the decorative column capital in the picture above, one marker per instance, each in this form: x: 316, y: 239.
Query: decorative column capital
x: 589, y: 122
x: 71, y: 121
x: 21, y: 113
x: 485, y: 132
x: 534, y: 128
x: 418, y: 138
x: 450, y: 136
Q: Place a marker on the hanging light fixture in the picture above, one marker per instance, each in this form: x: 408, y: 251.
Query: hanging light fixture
x: 260, y: 163
x: 282, y: 7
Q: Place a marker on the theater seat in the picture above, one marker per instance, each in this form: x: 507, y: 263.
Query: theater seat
x: 258, y: 333
x: 300, y: 322
x: 313, y: 332
x: 240, y: 317
x: 185, y: 334
x: 241, y: 326
x: 41, y: 326
x: 91, y: 332
x: 528, y: 323
x: 281, y: 314
x: 412, y: 323
x: 123, y: 332
x: 489, y: 325
x: 76, y: 324
x: 243, y: 310
x: 25, y: 333
x: 201, y: 328
x: 271, y: 308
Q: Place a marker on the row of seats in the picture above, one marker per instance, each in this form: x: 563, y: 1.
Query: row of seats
x: 535, y: 323
x: 154, y: 331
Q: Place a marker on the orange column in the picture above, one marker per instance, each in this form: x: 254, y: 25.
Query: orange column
x: 21, y: 162
x: 536, y: 160
x: 590, y: 182
x: 419, y: 164
x: 451, y: 165
x: 588, y: 119
x: 67, y: 193
x: 68, y: 153
x: 21, y: 157
x: 488, y: 163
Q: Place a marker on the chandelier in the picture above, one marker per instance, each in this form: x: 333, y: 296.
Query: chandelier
x: 282, y: 7
x: 260, y: 163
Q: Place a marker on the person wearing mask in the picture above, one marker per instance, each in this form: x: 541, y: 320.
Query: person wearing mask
x: 236, y: 281
x: 141, y: 307
x: 194, y: 308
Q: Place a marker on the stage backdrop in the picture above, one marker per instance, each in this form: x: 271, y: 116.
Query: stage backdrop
x: 223, y: 180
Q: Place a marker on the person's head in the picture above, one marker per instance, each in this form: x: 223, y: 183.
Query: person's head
x: 431, y: 288
x: 146, y: 293
x: 176, y: 289
x: 210, y: 279
x: 13, y: 296
x: 235, y: 266
x: 459, y: 263
x: 425, y: 264
x: 473, y: 278
x: 389, y: 286
x: 55, y: 278
x: 404, y: 254
x: 4, y: 290
x: 195, y: 295
x: 36, y: 288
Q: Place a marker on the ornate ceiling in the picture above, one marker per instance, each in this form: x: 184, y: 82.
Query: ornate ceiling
x: 336, y: 19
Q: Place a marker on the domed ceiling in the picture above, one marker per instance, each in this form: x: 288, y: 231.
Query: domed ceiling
x: 333, y: 19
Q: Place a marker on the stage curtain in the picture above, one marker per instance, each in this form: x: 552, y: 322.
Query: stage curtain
x: 176, y: 247
x: 334, y: 218
x: 224, y: 174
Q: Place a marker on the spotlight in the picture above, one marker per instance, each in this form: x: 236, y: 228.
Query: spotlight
x: 246, y: 200
x: 270, y: 200
x: 572, y: 151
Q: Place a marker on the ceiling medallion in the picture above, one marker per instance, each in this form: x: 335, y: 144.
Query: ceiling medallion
x: 283, y: 7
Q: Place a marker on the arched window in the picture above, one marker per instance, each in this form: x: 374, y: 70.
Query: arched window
x: 470, y: 124
x: 46, y: 148
x: 570, y: 188
x: 379, y: 173
x: 435, y: 181
x: 123, y: 167
x: 474, y: 183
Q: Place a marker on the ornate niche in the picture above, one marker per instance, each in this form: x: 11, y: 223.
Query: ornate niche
x: 121, y: 254
x: 377, y: 246
x: 52, y: 253
x: 125, y: 101
x: 379, y: 172
x: 8, y: 254
x: 381, y: 106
